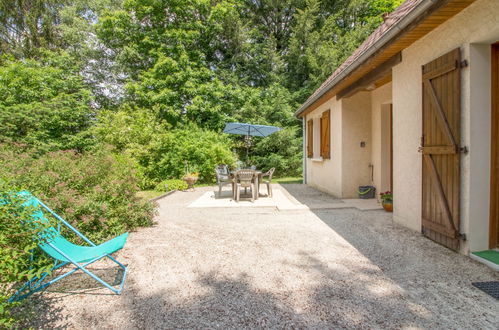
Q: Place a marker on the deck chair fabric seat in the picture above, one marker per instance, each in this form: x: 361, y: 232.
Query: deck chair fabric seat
x: 82, y: 253
x: 63, y: 252
x: 75, y: 252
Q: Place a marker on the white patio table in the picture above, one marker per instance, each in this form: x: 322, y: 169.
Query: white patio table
x: 258, y: 176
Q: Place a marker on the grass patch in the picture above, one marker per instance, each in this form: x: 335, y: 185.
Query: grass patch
x: 204, y: 184
x: 288, y: 179
x: 149, y: 194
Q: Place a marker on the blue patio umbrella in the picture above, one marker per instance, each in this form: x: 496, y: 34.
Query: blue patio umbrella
x: 250, y: 130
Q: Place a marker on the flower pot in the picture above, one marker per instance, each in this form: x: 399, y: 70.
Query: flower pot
x: 191, y: 181
x: 388, y: 206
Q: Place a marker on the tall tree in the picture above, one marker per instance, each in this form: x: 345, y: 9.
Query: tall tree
x: 28, y: 25
x: 44, y: 104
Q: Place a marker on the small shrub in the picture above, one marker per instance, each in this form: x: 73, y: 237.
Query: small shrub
x: 17, y: 240
x: 96, y: 192
x: 169, y: 185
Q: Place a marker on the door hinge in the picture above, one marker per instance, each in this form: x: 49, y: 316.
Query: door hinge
x: 463, y: 237
x: 464, y: 63
x: 464, y: 150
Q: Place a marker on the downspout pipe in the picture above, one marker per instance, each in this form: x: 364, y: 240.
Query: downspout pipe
x: 423, y: 6
x: 304, y: 134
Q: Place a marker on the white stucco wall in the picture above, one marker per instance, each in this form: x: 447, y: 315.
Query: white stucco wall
x: 325, y: 175
x: 345, y: 171
x: 360, y: 118
x: 381, y: 99
x: 356, y: 115
x: 477, y: 224
x: 476, y: 25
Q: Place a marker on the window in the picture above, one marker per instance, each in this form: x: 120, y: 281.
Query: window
x: 325, y: 135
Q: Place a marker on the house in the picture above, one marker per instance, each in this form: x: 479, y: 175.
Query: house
x: 415, y: 110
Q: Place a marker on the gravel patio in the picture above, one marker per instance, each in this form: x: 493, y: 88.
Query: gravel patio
x: 315, y: 267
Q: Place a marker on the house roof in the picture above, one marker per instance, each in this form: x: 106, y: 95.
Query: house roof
x: 390, y: 21
x: 411, y: 11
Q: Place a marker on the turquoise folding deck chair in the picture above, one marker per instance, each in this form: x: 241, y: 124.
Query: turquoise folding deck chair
x: 64, y: 252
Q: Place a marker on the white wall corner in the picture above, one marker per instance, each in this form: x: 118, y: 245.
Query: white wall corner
x: 476, y: 164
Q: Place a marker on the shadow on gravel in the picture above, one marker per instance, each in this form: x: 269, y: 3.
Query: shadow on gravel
x: 357, y: 296
x: 235, y: 304
x: 436, y: 280
x: 230, y: 304
x: 39, y: 312
x: 80, y: 282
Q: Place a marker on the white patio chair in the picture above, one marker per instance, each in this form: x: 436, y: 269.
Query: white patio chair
x: 223, y: 178
x: 245, y: 179
x: 268, y: 181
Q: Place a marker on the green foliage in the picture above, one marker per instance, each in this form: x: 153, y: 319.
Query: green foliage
x: 268, y: 106
x: 44, y: 104
x: 156, y: 80
x: 94, y: 192
x: 128, y: 128
x: 170, y: 185
x: 249, y: 61
x: 165, y: 157
x: 159, y: 153
x: 27, y: 25
x: 325, y: 33
x: 282, y: 150
x: 182, y: 91
x: 17, y: 240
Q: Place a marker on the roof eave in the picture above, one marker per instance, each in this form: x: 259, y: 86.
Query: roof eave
x: 419, y: 10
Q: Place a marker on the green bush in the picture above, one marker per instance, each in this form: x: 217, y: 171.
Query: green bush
x: 160, y: 154
x: 173, y: 184
x: 95, y: 192
x: 165, y: 157
x: 16, y: 242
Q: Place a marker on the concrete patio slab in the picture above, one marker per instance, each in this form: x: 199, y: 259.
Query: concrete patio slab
x: 283, y: 199
x: 213, y: 199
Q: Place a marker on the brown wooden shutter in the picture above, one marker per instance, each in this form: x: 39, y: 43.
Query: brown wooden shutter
x: 440, y: 149
x: 325, y: 135
x: 310, y: 138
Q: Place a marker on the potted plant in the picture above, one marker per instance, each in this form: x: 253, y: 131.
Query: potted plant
x: 190, y: 177
x: 387, y: 201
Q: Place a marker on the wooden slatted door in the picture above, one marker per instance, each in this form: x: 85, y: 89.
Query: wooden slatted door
x: 440, y: 149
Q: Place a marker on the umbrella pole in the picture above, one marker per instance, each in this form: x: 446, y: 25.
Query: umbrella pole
x: 247, y: 149
x: 248, y: 145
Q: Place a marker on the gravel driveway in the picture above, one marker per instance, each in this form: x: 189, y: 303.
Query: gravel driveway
x: 208, y: 268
